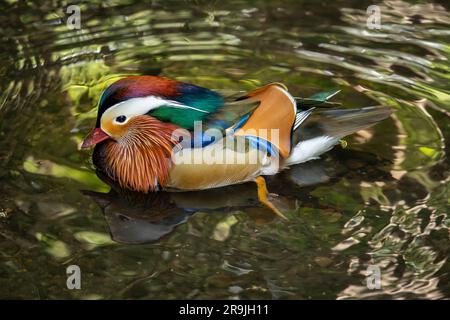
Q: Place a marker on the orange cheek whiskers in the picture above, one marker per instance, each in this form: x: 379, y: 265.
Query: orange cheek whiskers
x: 140, y: 159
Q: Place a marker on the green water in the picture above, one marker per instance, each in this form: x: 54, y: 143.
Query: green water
x: 382, y: 201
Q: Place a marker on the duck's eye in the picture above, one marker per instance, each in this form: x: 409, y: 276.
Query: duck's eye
x: 121, y: 119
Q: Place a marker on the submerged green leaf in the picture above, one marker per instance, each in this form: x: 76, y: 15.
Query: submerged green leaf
x: 95, y: 238
x: 54, y: 247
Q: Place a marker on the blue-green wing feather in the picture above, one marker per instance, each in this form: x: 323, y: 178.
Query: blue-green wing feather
x: 205, y: 100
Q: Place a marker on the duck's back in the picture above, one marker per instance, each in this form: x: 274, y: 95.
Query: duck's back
x: 250, y: 148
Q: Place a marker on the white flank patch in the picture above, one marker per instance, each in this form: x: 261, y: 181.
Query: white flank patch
x: 311, y: 149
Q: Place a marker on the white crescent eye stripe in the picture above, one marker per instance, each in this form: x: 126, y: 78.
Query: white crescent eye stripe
x: 177, y: 104
x: 139, y: 106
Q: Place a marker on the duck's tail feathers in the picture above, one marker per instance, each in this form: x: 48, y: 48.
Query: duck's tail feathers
x: 320, y: 129
x: 339, y: 123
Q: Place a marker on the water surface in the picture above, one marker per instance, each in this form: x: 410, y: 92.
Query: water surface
x: 382, y: 201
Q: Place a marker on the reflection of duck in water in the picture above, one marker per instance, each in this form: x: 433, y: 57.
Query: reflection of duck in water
x: 135, y: 217
x: 137, y: 223
x: 145, y: 125
x: 141, y: 218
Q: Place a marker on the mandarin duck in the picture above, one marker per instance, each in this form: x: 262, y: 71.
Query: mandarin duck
x: 154, y: 133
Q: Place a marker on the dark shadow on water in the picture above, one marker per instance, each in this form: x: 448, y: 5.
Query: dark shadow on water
x: 138, y: 218
x: 135, y: 218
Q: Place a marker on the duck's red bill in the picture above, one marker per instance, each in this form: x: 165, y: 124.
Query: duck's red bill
x: 95, y: 136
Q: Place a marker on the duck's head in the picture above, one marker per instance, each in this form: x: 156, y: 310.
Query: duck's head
x: 136, y: 120
x: 126, y: 104
x: 136, y: 145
